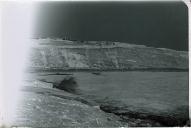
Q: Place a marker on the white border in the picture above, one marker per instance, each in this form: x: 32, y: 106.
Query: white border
x: 188, y: 3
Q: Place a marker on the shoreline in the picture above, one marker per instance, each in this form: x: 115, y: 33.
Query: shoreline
x: 108, y: 70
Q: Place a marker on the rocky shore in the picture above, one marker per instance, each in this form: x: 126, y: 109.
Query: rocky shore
x: 51, y: 107
x: 65, y: 75
x: 42, y: 107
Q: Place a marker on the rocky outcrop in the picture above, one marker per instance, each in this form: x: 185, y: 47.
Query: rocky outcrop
x: 100, y: 55
x: 41, y: 107
x: 172, y: 117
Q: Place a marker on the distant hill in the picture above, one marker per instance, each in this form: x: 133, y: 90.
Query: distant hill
x: 53, y: 54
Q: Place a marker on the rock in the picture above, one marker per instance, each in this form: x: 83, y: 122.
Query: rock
x: 68, y: 84
x: 41, y: 110
x: 174, y: 117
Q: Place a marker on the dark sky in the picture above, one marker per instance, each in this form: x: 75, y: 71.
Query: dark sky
x: 157, y: 24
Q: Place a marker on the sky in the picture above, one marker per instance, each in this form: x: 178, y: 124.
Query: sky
x: 156, y: 24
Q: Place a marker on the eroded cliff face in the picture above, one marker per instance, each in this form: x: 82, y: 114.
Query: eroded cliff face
x: 63, y: 54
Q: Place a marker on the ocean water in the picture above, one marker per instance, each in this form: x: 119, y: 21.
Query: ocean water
x: 163, y: 94
x: 151, y: 90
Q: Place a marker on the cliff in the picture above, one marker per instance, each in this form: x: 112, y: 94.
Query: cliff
x: 102, y: 55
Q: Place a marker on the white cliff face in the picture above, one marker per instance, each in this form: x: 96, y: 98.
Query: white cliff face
x: 74, y: 60
x: 94, y: 55
x: 57, y: 58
